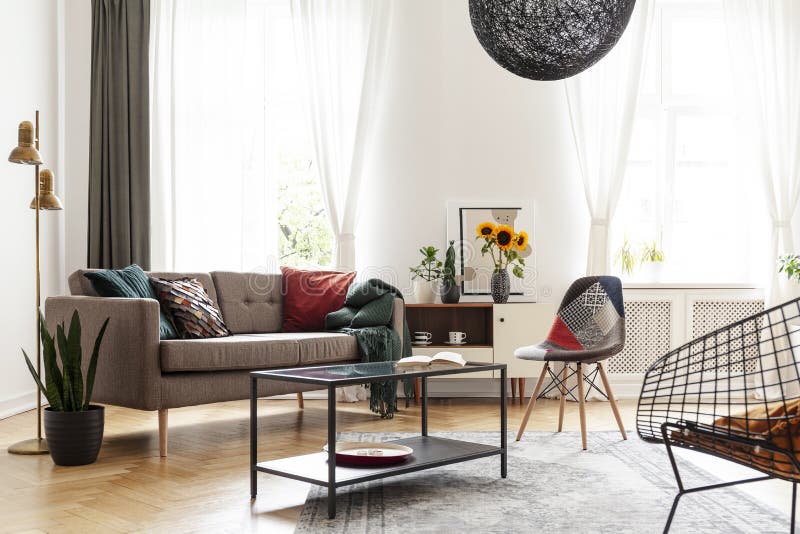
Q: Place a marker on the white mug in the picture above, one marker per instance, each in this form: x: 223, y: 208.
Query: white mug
x: 422, y: 336
x: 458, y: 337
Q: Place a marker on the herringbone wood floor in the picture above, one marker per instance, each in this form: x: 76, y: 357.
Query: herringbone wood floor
x: 203, y: 484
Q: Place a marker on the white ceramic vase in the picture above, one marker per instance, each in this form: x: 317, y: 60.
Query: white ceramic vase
x: 650, y: 271
x: 424, y: 292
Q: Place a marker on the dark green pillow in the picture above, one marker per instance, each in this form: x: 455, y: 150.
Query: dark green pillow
x: 130, y: 282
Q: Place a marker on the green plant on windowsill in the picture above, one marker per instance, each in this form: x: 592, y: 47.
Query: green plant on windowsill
x: 651, y: 253
x: 625, y: 257
x: 790, y: 265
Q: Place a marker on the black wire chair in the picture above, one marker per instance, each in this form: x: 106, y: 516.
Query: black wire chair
x: 733, y: 393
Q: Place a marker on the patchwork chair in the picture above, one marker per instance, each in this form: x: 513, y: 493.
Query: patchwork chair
x: 589, y: 328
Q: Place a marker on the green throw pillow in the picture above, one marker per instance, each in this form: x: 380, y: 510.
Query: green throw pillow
x: 130, y: 282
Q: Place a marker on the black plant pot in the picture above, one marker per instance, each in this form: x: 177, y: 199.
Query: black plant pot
x: 74, y: 438
x: 451, y: 294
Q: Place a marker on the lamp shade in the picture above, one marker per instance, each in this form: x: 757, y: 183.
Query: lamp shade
x: 25, y: 152
x: 548, y: 39
x: 47, y: 198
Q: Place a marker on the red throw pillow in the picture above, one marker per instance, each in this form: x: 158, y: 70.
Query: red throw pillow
x: 308, y: 296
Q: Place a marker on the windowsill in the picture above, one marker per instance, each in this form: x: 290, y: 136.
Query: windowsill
x: 688, y: 285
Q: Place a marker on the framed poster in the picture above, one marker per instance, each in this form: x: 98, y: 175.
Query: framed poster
x: 476, y: 269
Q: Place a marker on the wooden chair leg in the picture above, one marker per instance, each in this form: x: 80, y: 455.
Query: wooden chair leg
x: 417, y: 390
x: 582, y: 405
x: 513, y: 390
x: 521, y: 390
x: 532, y: 402
x: 611, y: 400
x: 163, y: 416
x: 562, y: 405
x: 300, y: 403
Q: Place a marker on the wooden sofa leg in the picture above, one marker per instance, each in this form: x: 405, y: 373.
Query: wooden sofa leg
x: 300, y: 400
x: 162, y: 432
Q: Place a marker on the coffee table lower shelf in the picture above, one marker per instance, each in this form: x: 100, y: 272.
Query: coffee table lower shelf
x: 429, y: 452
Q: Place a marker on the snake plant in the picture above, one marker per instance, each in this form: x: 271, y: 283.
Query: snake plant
x: 65, y: 388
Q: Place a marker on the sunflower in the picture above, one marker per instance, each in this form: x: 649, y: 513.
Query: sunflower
x: 521, y: 241
x: 485, y: 230
x: 504, y: 235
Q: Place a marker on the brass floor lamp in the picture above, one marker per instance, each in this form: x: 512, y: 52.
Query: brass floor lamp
x: 27, y: 153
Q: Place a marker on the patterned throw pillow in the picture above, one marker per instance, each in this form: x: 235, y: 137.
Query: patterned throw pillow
x: 193, y: 313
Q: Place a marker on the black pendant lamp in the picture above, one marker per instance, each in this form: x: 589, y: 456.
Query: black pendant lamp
x: 549, y: 39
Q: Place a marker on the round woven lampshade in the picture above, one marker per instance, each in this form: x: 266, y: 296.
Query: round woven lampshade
x: 549, y: 39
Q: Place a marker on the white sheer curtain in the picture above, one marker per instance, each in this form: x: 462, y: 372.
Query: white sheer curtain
x: 602, y: 106
x: 213, y: 204
x: 341, y: 47
x: 764, y: 36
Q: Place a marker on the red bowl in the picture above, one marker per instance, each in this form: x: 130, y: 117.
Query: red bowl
x: 370, y: 453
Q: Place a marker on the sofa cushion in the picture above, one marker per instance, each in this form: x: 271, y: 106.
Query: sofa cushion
x: 229, y: 353
x: 130, y: 282
x: 320, y: 347
x: 257, y: 351
x: 79, y: 285
x: 308, y: 296
x: 193, y: 313
x: 203, y: 278
x: 250, y: 302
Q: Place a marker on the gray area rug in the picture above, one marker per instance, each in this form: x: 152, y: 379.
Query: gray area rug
x: 552, y: 486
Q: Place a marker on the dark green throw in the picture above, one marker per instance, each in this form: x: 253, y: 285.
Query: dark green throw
x: 367, y: 315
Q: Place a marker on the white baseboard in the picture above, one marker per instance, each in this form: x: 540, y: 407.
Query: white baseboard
x: 20, y: 403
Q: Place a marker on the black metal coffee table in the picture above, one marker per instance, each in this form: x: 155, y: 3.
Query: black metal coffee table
x: 320, y: 468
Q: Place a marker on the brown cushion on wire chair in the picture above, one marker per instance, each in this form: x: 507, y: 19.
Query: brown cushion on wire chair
x: 776, y: 424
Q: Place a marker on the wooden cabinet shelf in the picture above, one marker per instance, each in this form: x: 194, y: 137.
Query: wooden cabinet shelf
x: 493, y: 331
x: 496, y: 328
x: 441, y: 319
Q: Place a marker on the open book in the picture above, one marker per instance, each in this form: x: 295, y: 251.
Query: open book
x: 450, y: 359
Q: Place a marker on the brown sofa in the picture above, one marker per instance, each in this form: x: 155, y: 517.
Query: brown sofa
x: 137, y: 370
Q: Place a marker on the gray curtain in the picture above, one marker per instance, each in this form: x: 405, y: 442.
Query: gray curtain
x: 119, y: 151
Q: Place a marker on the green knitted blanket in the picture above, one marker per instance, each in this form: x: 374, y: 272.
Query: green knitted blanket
x: 367, y: 315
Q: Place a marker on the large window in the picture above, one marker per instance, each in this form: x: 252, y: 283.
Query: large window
x: 234, y: 184
x: 683, y: 187
x: 304, y: 234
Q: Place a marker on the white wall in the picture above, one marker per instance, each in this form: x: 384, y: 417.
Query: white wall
x: 77, y: 57
x: 28, y: 37
x: 456, y: 126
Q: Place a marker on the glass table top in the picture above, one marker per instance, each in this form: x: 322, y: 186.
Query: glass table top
x: 366, y: 371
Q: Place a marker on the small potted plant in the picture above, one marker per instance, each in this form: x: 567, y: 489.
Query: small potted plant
x: 504, y: 246
x: 73, y: 427
x: 651, y: 260
x: 425, y: 275
x: 626, y: 258
x: 789, y: 265
x: 450, y: 289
